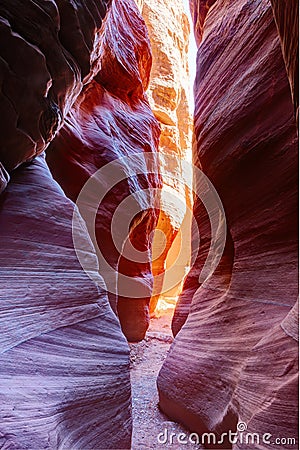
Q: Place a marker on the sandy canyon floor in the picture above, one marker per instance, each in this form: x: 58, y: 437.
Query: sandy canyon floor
x: 149, y: 423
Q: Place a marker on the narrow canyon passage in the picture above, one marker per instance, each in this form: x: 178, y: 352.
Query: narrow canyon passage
x: 170, y: 94
x: 122, y: 194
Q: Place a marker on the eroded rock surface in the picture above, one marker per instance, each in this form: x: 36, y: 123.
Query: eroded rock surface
x: 64, y: 371
x: 56, y: 43
x: 232, y: 360
x: 267, y: 393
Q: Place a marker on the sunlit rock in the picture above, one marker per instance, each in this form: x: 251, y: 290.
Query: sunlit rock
x: 168, y: 94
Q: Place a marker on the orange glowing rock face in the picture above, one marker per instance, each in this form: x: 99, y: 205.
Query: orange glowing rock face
x: 168, y: 95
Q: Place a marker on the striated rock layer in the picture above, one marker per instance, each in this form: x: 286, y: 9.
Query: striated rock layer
x: 111, y: 119
x: 286, y: 16
x: 64, y: 375
x: 235, y: 354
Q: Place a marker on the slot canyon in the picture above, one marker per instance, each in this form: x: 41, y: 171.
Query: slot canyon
x: 149, y: 224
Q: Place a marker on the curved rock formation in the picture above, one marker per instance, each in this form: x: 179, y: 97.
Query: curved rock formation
x: 111, y: 119
x: 75, y: 74
x: 56, y: 44
x: 199, y: 10
x: 245, y: 141
x: 168, y: 94
x: 64, y: 366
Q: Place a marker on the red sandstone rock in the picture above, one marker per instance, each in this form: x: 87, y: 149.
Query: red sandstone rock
x: 111, y: 119
x: 64, y: 362
x: 231, y: 356
x: 287, y: 19
x: 199, y: 10
x: 57, y: 47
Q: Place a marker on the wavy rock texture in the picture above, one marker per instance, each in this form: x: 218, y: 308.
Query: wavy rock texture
x: 287, y: 19
x: 64, y: 372
x: 56, y: 43
x: 168, y: 95
x: 267, y: 393
x: 112, y: 119
x: 64, y: 361
x: 4, y: 178
x: 231, y: 360
x: 199, y: 10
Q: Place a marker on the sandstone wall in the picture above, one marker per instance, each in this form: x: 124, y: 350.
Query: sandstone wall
x: 111, y: 119
x: 56, y: 47
x: 64, y: 362
x: 233, y: 359
x: 67, y: 75
x: 168, y: 94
